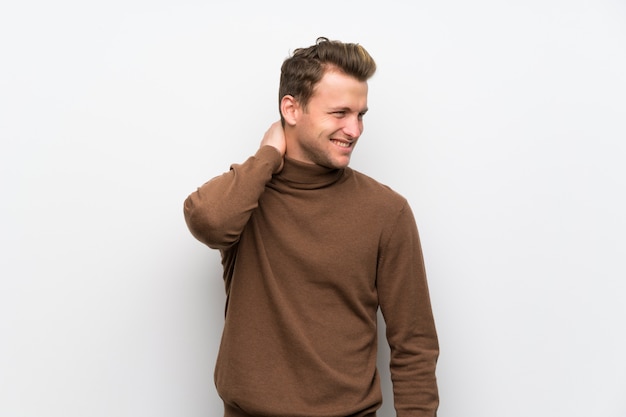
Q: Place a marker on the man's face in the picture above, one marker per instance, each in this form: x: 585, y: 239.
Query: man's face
x: 327, y: 131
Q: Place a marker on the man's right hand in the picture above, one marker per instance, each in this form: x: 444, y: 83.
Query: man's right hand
x: 275, y: 137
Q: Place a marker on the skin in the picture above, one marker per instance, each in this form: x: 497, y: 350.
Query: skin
x: 326, y: 130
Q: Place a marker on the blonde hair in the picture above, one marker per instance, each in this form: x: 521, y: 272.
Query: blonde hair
x: 305, y: 68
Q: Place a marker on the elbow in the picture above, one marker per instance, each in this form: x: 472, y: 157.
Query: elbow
x: 208, y: 227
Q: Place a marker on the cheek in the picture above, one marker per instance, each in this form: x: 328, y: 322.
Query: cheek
x: 332, y: 125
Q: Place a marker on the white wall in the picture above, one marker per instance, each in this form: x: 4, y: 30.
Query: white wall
x: 504, y: 124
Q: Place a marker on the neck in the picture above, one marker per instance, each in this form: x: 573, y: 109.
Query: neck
x: 306, y: 175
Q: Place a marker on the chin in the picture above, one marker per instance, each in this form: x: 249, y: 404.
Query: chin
x: 332, y: 161
x: 340, y: 164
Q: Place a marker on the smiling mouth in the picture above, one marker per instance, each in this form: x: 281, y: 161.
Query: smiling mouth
x: 342, y: 144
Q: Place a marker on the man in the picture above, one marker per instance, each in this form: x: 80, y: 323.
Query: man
x: 311, y: 249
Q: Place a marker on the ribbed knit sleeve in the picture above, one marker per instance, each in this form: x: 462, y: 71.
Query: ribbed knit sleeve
x: 217, y: 212
x: 405, y: 304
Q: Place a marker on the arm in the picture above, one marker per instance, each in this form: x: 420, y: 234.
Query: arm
x: 218, y: 211
x: 411, y: 334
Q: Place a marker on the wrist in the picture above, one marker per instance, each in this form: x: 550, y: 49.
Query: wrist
x: 272, y: 156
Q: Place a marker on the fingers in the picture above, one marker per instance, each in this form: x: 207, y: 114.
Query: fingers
x: 275, y: 136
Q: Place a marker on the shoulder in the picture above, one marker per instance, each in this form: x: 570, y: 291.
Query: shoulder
x: 374, y: 191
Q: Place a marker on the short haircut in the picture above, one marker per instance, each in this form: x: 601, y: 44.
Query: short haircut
x: 301, y: 72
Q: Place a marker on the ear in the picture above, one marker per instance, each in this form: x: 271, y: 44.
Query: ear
x: 289, y: 109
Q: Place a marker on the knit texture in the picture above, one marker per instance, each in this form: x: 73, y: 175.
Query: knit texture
x: 309, y: 256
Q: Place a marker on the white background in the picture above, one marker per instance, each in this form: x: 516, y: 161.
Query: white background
x: 503, y: 123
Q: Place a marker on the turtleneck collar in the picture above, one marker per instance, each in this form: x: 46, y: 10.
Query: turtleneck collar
x: 303, y: 175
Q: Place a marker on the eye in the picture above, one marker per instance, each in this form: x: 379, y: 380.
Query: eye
x: 339, y: 113
x: 361, y: 115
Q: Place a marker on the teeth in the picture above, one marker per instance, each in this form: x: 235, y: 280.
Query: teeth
x: 342, y: 144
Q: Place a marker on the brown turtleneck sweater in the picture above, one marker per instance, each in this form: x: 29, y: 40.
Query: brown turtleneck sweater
x: 309, y: 255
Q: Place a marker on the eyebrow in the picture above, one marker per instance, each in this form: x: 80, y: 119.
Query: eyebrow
x: 348, y: 109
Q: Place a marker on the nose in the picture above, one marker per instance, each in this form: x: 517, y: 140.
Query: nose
x: 353, y: 127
